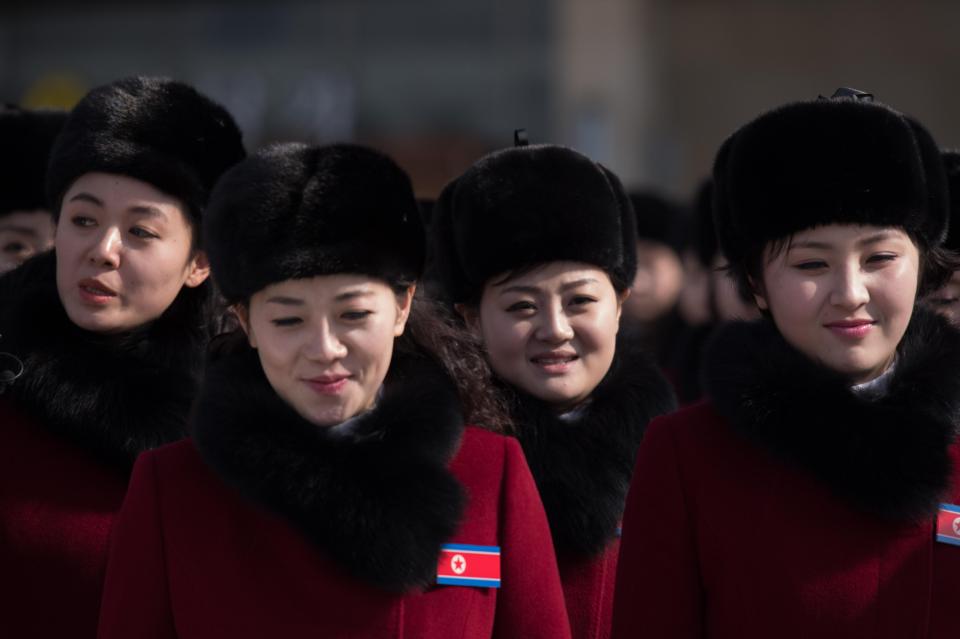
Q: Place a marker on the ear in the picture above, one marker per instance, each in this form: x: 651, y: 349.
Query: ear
x: 198, y: 270
x: 404, y: 304
x: 243, y: 316
x: 470, y: 315
x: 621, y: 298
x: 758, y: 296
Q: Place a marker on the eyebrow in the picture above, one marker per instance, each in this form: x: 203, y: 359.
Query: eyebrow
x: 871, y: 239
x: 284, y: 300
x: 139, y: 209
x: 24, y: 230
x: 533, y: 290
x: 349, y: 295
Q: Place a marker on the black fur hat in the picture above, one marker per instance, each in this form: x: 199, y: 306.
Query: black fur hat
x: 294, y: 211
x: 529, y: 205
x: 156, y: 130
x: 661, y: 219
x: 26, y: 137
x: 951, y: 164
x: 840, y: 160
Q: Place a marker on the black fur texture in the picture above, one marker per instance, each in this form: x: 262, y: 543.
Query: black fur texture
x: 296, y: 211
x: 156, y: 130
x: 112, y: 395
x: 661, y: 219
x: 26, y: 138
x: 951, y: 164
x: 886, y: 456
x: 836, y: 161
x: 583, y: 466
x: 378, y: 500
x: 530, y: 205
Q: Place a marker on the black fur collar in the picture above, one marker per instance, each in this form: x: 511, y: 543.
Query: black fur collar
x: 380, y: 501
x: 113, y: 395
x: 887, y: 456
x: 583, y: 466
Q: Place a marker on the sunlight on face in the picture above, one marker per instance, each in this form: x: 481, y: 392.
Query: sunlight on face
x: 843, y: 295
x: 552, y: 331
x: 123, y: 252
x: 325, y: 343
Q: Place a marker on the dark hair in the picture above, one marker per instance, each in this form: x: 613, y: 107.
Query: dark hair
x: 937, y: 264
x: 434, y: 329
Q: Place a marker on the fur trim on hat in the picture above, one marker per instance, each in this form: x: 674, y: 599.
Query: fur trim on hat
x: 379, y: 499
x: 156, y: 130
x: 583, y: 464
x: 26, y: 138
x: 114, y: 396
x: 295, y: 211
x: 531, y: 205
x: 884, y: 455
x: 836, y: 161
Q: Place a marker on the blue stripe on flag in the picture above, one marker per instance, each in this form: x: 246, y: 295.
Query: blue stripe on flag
x: 469, y: 547
x: 463, y: 581
x: 948, y: 540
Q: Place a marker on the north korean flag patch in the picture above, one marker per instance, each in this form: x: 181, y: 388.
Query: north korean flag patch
x: 468, y: 565
x: 948, y: 524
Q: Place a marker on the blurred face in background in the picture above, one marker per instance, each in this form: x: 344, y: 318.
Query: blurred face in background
x: 694, y: 301
x: 657, y: 284
x: 23, y: 234
x: 325, y: 343
x: 124, y: 250
x: 551, y: 331
x: 946, y: 300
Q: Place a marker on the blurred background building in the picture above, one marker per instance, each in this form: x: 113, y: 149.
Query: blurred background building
x: 650, y: 87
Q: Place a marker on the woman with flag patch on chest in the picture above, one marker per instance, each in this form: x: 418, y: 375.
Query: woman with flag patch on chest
x: 536, y: 248
x: 103, y: 338
x: 814, y: 492
x: 331, y: 487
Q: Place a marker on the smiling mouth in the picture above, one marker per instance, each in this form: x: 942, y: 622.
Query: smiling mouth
x: 554, y: 363
x: 93, y: 291
x: 328, y: 385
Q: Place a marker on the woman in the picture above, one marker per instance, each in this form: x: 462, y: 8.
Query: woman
x: 331, y: 488
x: 110, y: 328
x: 26, y: 226
x: 810, y: 495
x: 536, y: 246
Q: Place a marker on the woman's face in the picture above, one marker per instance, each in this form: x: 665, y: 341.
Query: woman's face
x: 946, y: 300
x: 657, y: 284
x: 843, y: 295
x: 123, y: 252
x: 325, y: 343
x: 23, y: 234
x: 550, y: 332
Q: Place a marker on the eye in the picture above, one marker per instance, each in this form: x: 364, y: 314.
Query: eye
x: 943, y: 301
x: 142, y: 233
x: 355, y: 316
x: 582, y: 300
x: 522, y: 306
x: 811, y: 265
x: 82, y: 221
x: 880, y: 258
x: 14, y: 247
x: 287, y: 321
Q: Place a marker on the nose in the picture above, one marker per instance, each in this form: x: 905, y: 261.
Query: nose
x: 554, y: 327
x: 324, y: 345
x: 849, y: 288
x: 106, y: 249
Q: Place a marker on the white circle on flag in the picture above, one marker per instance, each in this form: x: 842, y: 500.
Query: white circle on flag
x: 956, y: 526
x: 459, y: 565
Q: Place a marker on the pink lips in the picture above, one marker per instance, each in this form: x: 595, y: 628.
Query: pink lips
x: 554, y: 362
x: 851, y: 329
x: 95, y: 292
x: 328, y: 384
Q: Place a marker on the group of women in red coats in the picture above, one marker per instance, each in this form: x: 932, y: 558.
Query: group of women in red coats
x: 229, y: 409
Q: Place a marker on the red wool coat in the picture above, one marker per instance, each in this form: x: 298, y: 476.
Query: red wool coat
x: 722, y: 540
x: 57, y: 506
x: 193, y: 558
x: 588, y: 586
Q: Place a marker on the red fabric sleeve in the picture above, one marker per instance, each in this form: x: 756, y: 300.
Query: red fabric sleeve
x: 530, y: 601
x: 658, y: 593
x: 136, y: 600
